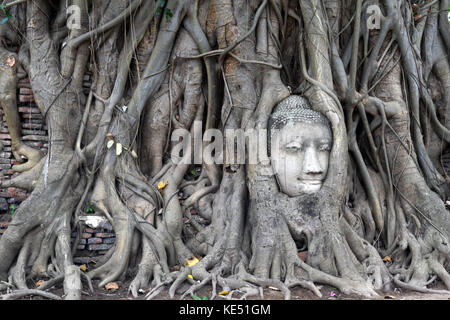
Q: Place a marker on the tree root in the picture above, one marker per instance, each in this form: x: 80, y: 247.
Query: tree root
x: 23, y: 293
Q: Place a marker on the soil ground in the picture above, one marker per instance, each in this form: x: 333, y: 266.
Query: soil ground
x: 328, y: 293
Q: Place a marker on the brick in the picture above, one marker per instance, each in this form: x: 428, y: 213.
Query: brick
x: 94, y: 241
x: 33, y: 116
x: 303, y: 255
x: 105, y: 235
x: 29, y: 110
x: 26, y: 91
x: 109, y: 240
x: 3, y: 161
x: 81, y: 247
x: 103, y: 246
x: 5, y: 166
x: 86, y: 235
x: 5, y: 155
x: 89, y: 230
x: 30, y: 120
x: 26, y: 98
x: 5, y: 136
x: 32, y: 126
x: 6, y: 194
x: 34, y: 132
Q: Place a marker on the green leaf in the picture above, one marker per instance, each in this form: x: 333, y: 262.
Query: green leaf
x: 13, y: 209
x: 168, y: 13
x: 196, y: 297
x: 204, y: 298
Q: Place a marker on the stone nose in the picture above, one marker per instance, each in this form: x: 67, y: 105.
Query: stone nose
x: 311, y: 163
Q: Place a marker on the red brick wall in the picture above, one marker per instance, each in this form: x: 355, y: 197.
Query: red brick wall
x: 34, y: 133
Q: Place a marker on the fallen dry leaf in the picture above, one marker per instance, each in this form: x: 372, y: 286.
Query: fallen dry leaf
x: 118, y: 149
x: 389, y: 297
x: 83, y: 267
x: 162, y: 185
x: 190, y: 276
x: 224, y: 293
x: 191, y: 262
x: 10, y: 61
x: 387, y: 259
x: 274, y: 288
x: 112, y: 286
x: 39, y: 283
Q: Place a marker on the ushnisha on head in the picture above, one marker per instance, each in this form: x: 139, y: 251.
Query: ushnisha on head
x: 299, y: 144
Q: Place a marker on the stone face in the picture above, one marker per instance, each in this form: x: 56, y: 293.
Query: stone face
x: 300, y: 143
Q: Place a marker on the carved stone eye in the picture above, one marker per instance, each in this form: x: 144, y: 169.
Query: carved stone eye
x: 293, y: 147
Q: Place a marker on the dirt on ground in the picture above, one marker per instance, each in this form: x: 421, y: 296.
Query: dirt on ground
x: 328, y: 293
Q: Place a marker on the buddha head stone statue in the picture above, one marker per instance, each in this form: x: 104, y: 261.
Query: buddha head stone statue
x: 299, y: 145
